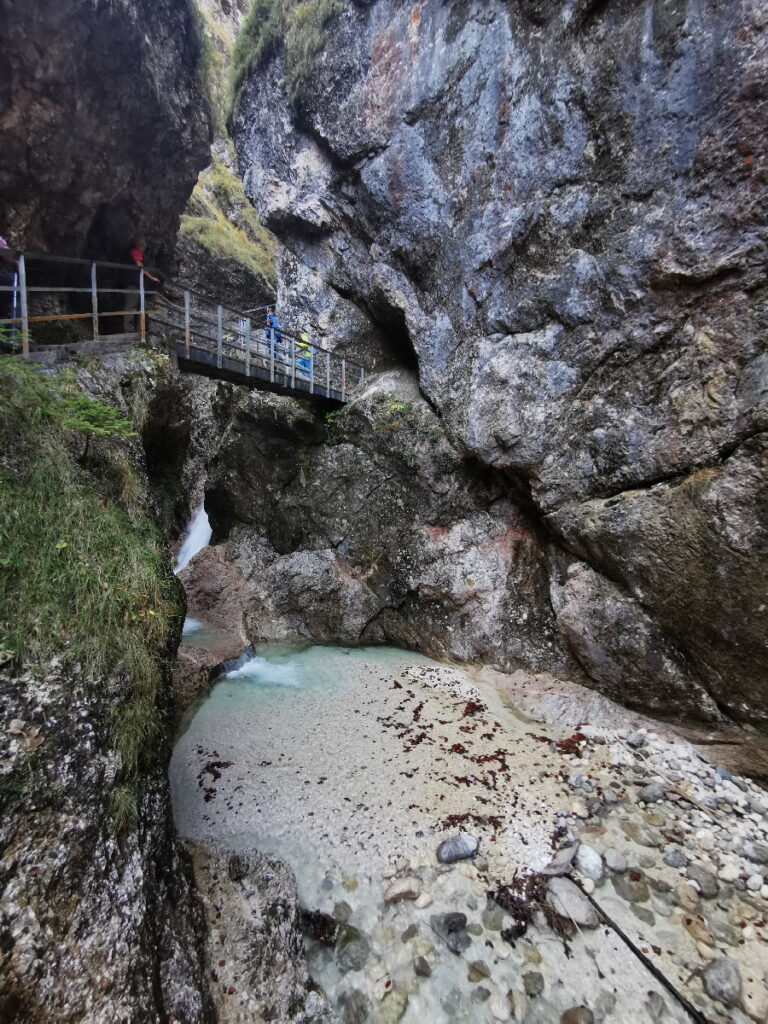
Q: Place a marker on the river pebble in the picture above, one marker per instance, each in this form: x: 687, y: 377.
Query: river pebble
x: 704, y: 879
x: 616, y: 861
x: 457, y: 848
x: 722, y: 980
x: 589, y: 862
x: 568, y: 901
x: 403, y: 889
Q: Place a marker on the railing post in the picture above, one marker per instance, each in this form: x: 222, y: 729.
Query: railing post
x: 94, y: 303
x: 293, y: 362
x: 272, y: 355
x: 343, y: 379
x: 248, y: 348
x: 24, y: 306
x: 328, y: 375
x: 219, y: 335
x: 142, y: 308
x: 312, y: 369
x: 187, y: 324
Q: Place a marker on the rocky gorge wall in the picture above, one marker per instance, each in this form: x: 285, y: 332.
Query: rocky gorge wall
x: 104, y: 122
x: 553, y: 210
x: 98, y: 917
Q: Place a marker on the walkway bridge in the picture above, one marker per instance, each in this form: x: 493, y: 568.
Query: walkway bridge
x: 207, y: 338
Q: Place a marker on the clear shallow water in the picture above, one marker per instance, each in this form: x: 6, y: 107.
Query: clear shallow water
x: 202, y: 635
x: 314, y: 769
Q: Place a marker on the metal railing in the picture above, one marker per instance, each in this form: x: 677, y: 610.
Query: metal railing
x: 23, y: 295
x: 220, y: 340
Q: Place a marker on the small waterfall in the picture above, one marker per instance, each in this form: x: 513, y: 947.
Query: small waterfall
x: 197, y: 537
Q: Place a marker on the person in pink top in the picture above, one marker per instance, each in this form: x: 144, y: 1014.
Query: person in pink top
x: 132, y: 298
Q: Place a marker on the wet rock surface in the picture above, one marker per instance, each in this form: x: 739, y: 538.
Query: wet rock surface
x: 253, y: 932
x: 463, y: 956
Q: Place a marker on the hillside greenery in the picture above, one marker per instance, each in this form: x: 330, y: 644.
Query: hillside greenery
x: 220, y: 218
x: 83, y: 573
x: 298, y: 24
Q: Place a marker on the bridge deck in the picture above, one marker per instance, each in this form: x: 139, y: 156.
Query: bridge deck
x: 204, y: 362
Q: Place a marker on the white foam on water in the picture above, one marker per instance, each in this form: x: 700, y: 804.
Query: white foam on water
x: 191, y: 626
x: 197, y: 537
x: 267, y: 673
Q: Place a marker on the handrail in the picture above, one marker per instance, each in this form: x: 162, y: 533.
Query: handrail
x: 279, y: 351
x: 47, y: 258
x: 278, y: 331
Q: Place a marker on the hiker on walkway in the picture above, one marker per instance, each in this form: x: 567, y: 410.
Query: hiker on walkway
x: 132, y: 298
x: 303, y: 352
x: 272, y: 325
x: 8, y: 261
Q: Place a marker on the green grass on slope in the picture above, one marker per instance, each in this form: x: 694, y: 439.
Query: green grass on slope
x: 299, y: 24
x: 221, y: 219
x: 82, y: 570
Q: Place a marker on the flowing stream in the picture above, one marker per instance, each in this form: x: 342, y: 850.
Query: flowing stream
x: 197, y: 536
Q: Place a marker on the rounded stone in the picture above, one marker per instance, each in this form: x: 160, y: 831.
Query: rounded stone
x: 458, y: 847
x: 705, y: 880
x: 568, y: 901
x: 728, y: 873
x: 675, y: 859
x: 687, y: 897
x: 631, y: 887
x: 352, y: 948
x: 756, y: 852
x: 403, y: 889
x: 653, y: 793
x: 722, y: 980
x: 477, y: 971
x: 577, y: 1015
x: 533, y: 983
x: 579, y: 808
x: 421, y: 967
x: 754, y: 1000
x: 616, y: 861
x: 755, y: 883
x: 589, y: 862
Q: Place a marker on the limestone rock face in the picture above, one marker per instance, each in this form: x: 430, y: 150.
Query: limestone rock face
x: 87, y: 916
x: 372, y: 528
x: 553, y: 210
x: 105, y: 124
x: 256, y: 963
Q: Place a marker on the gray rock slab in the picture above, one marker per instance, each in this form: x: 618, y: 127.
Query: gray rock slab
x: 568, y: 901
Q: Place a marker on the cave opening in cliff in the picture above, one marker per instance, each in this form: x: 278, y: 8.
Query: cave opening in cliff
x: 397, y: 348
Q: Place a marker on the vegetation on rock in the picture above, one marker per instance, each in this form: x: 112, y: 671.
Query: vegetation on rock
x: 83, y: 575
x: 222, y: 221
x: 298, y: 24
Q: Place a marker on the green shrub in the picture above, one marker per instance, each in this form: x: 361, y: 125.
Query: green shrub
x: 304, y: 39
x: 334, y: 425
